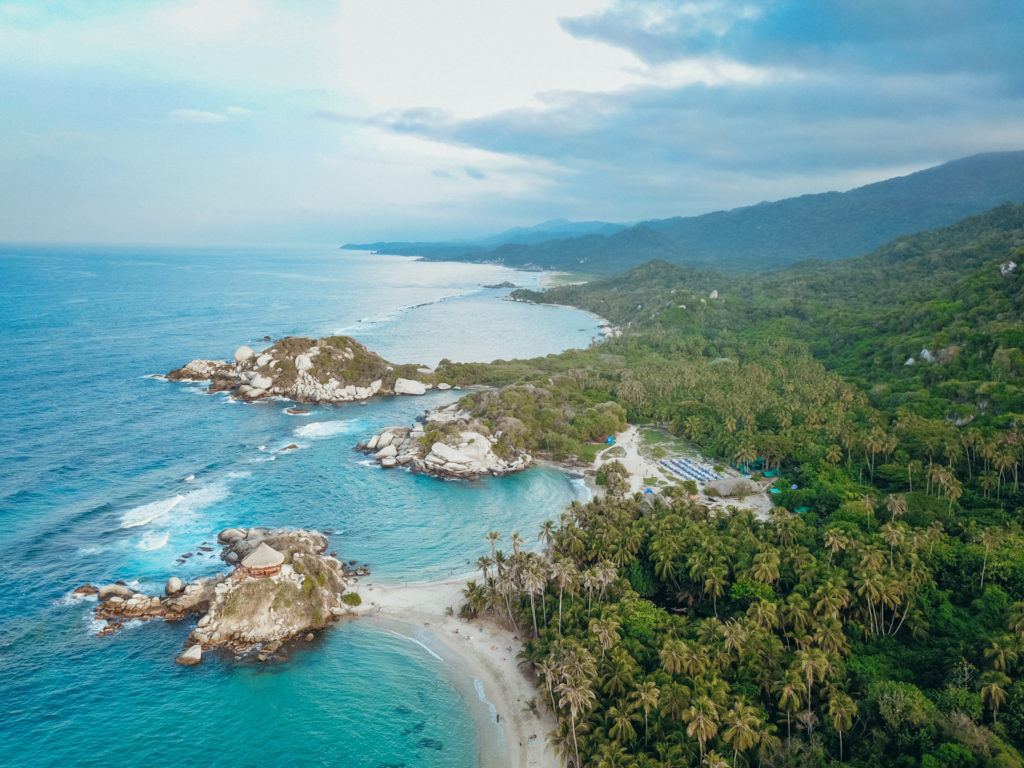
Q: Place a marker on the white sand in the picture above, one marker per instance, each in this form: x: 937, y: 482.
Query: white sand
x: 484, y: 651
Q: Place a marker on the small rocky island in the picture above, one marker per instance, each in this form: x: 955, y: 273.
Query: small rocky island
x: 450, y: 443
x: 282, y: 587
x: 334, y: 369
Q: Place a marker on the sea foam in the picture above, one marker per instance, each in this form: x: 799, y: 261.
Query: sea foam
x: 322, y: 429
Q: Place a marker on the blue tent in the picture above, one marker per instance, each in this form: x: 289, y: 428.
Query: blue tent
x: 648, y: 491
x: 610, y: 440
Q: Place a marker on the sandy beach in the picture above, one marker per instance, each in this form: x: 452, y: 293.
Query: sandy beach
x: 483, y: 651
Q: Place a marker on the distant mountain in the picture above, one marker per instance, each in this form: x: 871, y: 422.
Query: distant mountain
x: 463, y: 250
x: 832, y: 225
x: 926, y: 319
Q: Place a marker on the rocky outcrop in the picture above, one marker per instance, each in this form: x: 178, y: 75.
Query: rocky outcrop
x: 448, y: 445
x: 238, y: 611
x: 335, y: 369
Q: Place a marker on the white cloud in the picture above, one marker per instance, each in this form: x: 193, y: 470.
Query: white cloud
x: 197, y: 116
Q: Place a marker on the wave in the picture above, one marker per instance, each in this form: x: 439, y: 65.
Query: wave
x: 366, y: 322
x: 483, y: 698
x: 153, y: 541
x: 147, y: 513
x: 414, y: 640
x: 323, y: 429
x: 184, y: 503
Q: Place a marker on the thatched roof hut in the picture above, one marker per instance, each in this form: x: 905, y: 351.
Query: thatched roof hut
x: 262, y: 562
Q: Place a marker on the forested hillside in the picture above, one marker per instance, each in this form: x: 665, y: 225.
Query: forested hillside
x: 877, y: 618
x: 767, y: 236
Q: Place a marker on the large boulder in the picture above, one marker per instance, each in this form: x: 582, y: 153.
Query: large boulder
x: 388, y: 452
x: 191, y: 656
x: 410, y: 387
x: 243, y: 354
x: 303, y: 363
x: 114, y: 590
x: 229, y: 535
x: 262, y: 382
x: 174, y: 586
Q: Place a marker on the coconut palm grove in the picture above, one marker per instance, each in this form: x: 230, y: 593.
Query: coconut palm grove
x: 876, y: 615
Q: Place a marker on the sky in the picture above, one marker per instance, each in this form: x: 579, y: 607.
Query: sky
x: 254, y: 121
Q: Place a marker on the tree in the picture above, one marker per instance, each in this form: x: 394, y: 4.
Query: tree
x: 575, y: 694
x: 646, y: 697
x: 741, y: 729
x: 702, y: 722
x: 841, y: 711
x: 993, y: 691
x: 493, y: 537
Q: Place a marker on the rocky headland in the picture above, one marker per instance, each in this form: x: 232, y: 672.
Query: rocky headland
x: 449, y: 443
x: 334, y: 369
x: 283, y: 587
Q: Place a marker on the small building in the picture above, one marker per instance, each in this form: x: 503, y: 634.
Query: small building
x: 261, y: 563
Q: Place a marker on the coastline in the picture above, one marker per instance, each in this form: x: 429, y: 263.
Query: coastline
x: 480, y: 650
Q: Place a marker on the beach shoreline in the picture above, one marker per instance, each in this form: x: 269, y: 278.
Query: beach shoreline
x: 480, y: 650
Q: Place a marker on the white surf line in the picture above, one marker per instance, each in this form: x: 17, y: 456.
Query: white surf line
x: 414, y: 640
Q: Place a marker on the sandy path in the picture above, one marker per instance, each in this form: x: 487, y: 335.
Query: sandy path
x: 638, y: 465
x: 484, y: 651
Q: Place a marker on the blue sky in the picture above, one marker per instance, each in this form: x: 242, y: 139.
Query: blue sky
x: 247, y: 121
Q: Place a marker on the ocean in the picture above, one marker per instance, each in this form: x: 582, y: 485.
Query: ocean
x: 92, y: 489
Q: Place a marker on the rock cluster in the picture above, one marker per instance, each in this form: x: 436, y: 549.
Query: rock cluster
x: 240, y: 612
x: 460, y: 451
x: 336, y: 369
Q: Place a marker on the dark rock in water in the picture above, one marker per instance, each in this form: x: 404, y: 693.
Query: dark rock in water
x: 391, y: 765
x: 205, y: 549
x: 186, y: 556
x: 266, y: 338
x: 430, y: 744
x: 291, y: 447
x: 403, y: 710
x: 503, y: 284
x: 85, y: 589
x: 296, y: 411
x: 352, y: 562
x: 418, y: 728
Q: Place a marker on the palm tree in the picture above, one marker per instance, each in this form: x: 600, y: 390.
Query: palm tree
x: 575, y: 694
x: 741, y: 729
x: 516, y: 541
x: 811, y: 664
x: 835, y: 540
x: 546, y: 670
x: 842, y: 709
x: 1001, y: 654
x: 621, y: 729
x: 547, y: 533
x: 483, y: 563
x: 714, y: 760
x: 790, y: 690
x: 535, y: 584
x: 833, y: 454
x: 671, y: 655
x: 702, y: 722
x: 993, y: 691
x: 607, y: 631
x: 646, y: 696
x: 991, y: 541
x: 492, y: 537
x: 896, y: 503
x: 563, y: 572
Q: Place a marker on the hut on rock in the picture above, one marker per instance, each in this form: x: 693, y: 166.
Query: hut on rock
x: 261, y: 563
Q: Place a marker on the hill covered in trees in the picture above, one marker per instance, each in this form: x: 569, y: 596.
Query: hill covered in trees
x: 877, y: 617
x: 832, y: 225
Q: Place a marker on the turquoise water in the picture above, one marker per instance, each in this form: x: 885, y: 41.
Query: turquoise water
x: 91, y: 490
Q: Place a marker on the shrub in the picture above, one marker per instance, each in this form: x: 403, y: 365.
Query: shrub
x: 351, y: 598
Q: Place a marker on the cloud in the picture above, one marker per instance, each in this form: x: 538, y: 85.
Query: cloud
x: 197, y: 116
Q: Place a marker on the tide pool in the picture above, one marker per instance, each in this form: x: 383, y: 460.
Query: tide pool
x: 92, y: 489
